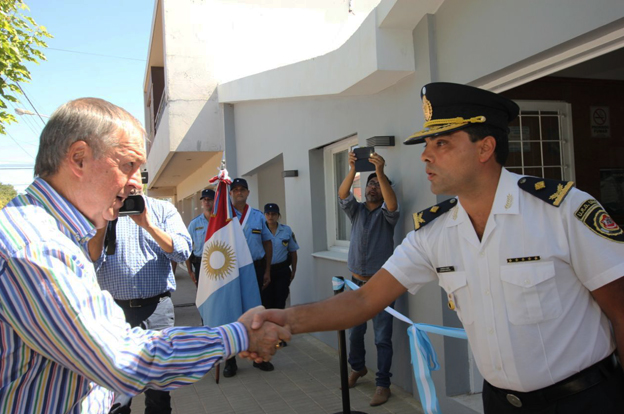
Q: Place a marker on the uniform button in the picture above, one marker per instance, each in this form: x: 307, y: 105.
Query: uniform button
x: 498, y: 368
x: 482, y: 254
x: 487, y: 292
x: 491, y: 331
x: 526, y: 282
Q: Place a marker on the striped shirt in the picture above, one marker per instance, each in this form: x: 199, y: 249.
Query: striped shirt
x: 140, y: 268
x: 64, y: 344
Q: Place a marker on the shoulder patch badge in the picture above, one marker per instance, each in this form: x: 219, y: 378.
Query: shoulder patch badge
x: 552, y: 192
x: 591, y: 214
x: 426, y: 216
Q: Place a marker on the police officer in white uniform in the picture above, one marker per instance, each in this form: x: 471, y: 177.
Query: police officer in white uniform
x: 533, y: 267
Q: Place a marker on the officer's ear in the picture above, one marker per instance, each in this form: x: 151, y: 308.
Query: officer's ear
x: 487, y: 148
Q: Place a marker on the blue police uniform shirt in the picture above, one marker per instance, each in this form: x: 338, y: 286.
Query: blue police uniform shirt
x: 197, y: 229
x: 283, y: 242
x: 255, y: 231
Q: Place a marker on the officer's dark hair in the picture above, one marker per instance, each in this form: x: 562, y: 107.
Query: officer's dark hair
x: 478, y: 132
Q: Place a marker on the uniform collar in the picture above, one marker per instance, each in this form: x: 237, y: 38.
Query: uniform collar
x: 506, y: 200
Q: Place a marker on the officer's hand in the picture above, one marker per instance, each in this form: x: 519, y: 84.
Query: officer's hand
x: 263, y: 340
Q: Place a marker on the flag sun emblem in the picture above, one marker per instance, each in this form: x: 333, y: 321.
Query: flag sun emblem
x: 218, y: 260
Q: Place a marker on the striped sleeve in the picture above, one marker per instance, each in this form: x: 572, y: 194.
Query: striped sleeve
x: 58, y: 310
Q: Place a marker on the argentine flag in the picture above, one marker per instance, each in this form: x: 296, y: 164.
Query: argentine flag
x: 227, y: 279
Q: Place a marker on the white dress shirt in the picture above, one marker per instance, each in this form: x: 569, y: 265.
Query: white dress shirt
x: 532, y: 322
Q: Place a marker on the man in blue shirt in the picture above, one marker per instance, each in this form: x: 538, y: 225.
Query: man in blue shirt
x: 372, y: 242
x: 197, y: 229
x: 260, y: 245
x: 139, y: 276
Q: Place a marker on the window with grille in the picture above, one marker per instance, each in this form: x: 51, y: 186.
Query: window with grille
x: 540, y: 141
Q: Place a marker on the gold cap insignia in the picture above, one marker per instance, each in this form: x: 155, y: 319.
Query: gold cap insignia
x: 427, y: 108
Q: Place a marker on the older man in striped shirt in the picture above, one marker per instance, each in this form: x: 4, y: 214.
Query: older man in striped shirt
x: 65, y: 346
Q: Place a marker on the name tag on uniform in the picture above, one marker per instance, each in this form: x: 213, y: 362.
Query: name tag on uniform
x: 256, y: 231
x: 523, y: 259
x: 199, y: 228
x: 445, y: 269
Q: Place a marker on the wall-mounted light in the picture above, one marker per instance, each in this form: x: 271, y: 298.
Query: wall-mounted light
x: 290, y: 173
x: 380, y: 141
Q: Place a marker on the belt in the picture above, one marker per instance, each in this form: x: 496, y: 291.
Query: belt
x: 138, y: 303
x: 280, y: 265
x: 581, y: 381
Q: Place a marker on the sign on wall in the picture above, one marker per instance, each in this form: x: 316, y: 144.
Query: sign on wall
x: 599, y: 119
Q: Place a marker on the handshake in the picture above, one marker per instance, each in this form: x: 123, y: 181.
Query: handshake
x: 266, y: 329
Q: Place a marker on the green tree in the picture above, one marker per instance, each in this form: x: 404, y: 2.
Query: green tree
x: 7, y: 192
x: 20, y: 38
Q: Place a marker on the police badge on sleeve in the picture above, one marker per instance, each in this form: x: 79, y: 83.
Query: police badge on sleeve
x: 598, y: 220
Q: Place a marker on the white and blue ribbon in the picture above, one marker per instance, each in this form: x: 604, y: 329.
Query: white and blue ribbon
x: 423, y: 355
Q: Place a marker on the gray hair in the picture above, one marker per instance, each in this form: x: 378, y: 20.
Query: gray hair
x: 92, y: 120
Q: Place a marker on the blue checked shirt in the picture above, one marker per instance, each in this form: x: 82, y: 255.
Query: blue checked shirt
x: 65, y: 345
x: 283, y: 242
x: 198, y: 229
x: 256, y: 232
x: 372, y: 235
x: 139, y: 268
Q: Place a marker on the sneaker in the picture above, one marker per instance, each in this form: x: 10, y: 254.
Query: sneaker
x: 230, y: 368
x: 264, y: 366
x: 381, y: 396
x: 355, y: 375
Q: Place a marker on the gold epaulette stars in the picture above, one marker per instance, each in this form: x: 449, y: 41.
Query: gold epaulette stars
x: 552, y: 192
x: 428, y: 215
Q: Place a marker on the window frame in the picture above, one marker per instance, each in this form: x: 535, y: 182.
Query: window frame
x: 332, y: 209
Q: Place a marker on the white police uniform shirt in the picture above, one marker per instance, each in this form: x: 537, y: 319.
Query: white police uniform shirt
x: 533, y: 323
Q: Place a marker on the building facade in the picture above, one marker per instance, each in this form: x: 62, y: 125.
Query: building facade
x: 286, y: 88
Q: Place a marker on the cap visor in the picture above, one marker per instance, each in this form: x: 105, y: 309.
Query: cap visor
x: 419, y: 137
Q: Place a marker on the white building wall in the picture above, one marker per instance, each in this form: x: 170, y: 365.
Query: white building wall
x: 462, y: 42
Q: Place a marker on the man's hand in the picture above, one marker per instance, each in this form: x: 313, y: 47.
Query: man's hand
x: 263, y: 339
x: 379, y: 163
x: 142, y: 220
x: 352, y: 159
x: 267, y: 279
x: 192, y: 275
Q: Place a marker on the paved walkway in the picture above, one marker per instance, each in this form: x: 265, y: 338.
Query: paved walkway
x: 305, y: 380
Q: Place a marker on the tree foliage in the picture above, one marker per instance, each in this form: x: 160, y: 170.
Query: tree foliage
x: 7, y: 193
x: 20, y: 40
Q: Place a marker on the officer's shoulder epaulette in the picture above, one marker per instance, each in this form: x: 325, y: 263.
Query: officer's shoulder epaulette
x: 550, y: 191
x: 422, y: 218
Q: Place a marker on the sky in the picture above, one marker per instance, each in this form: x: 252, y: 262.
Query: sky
x: 99, y: 49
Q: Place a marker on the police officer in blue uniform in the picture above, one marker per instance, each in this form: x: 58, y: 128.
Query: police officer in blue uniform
x: 258, y: 239
x: 284, y: 258
x: 197, y: 229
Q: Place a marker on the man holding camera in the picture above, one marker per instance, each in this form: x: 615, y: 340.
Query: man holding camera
x: 138, y: 273
x: 197, y: 229
x: 66, y: 346
x: 372, y: 232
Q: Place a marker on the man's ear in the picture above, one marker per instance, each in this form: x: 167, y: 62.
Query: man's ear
x: 487, y: 148
x: 76, y: 157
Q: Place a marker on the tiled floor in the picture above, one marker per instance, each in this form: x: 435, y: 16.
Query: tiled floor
x: 305, y: 381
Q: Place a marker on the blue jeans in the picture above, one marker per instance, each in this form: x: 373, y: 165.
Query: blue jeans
x: 382, y: 325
